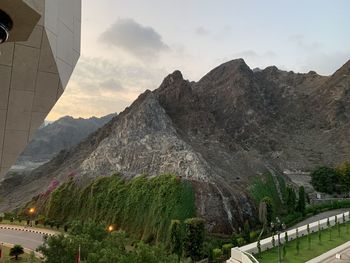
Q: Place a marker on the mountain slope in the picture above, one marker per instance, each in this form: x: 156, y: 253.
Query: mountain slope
x: 56, y: 136
x: 218, y: 133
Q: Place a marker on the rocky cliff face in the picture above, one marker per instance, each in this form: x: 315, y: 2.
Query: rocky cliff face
x: 219, y: 132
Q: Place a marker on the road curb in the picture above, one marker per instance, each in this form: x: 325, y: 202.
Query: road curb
x: 31, y: 230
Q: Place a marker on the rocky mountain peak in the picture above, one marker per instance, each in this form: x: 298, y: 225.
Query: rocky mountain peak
x: 217, y: 133
x: 172, y: 80
x: 236, y: 68
x: 344, y: 71
x: 271, y: 69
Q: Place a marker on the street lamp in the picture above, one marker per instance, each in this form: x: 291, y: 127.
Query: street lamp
x: 110, y: 228
x: 278, y: 227
x: 31, y: 213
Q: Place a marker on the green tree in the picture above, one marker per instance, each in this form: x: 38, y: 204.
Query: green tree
x: 143, y: 253
x: 344, y: 175
x: 325, y: 179
x: 301, y: 200
x: 194, y: 238
x: 290, y: 199
x: 286, y: 237
x: 319, y: 233
x: 98, y: 246
x: 269, y: 209
x: 308, y: 236
x: 176, y: 237
x: 16, y: 251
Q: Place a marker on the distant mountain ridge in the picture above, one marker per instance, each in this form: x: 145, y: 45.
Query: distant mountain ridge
x: 55, y: 136
x: 218, y: 133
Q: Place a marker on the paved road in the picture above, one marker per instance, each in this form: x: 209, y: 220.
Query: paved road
x: 320, y: 216
x: 26, y: 239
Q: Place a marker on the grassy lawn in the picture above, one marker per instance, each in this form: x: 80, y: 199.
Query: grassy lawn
x: 305, y: 253
x: 25, y: 258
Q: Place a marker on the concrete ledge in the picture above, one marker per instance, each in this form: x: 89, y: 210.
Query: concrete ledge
x: 330, y: 253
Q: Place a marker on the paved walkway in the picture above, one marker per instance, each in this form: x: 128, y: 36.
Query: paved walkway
x: 345, y: 257
x: 329, y: 257
x: 320, y: 216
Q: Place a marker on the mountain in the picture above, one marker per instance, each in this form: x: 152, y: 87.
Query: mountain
x: 50, y: 139
x: 219, y: 133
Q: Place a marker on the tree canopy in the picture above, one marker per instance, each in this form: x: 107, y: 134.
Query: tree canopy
x: 99, y: 246
x: 325, y: 179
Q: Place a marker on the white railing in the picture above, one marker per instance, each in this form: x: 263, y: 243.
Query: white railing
x: 238, y: 254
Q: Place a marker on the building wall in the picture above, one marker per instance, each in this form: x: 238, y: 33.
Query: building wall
x: 34, y: 73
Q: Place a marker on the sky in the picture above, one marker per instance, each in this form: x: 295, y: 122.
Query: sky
x: 131, y: 46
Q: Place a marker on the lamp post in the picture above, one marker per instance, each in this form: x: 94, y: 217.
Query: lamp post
x: 31, y: 213
x: 278, y: 227
x: 110, y: 228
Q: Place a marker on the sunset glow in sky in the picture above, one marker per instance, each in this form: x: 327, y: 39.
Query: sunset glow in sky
x: 130, y: 46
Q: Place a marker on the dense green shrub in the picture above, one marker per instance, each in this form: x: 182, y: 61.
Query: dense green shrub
x: 97, y: 245
x: 325, y: 179
x: 265, y: 186
x: 141, y: 206
x: 194, y: 238
x: 217, y: 254
x: 301, y: 200
x: 241, y: 241
x: 344, y: 175
x: 226, y: 250
x: 176, y: 237
x: 290, y: 199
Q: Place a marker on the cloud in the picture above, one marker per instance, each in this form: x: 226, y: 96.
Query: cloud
x: 300, y: 41
x: 134, y: 38
x: 99, y: 87
x: 112, y: 85
x: 201, y: 31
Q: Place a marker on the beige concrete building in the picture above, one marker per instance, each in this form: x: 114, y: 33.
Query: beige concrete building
x: 36, y: 62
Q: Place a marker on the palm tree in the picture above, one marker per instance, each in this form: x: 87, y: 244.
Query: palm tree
x: 16, y: 251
